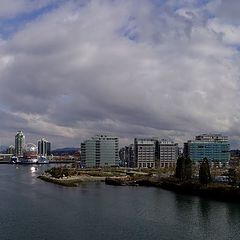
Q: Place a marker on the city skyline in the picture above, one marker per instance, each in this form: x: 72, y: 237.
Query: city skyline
x: 70, y: 70
x: 167, y: 141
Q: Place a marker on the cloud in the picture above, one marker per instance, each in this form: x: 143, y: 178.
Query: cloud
x: 12, y: 8
x: 227, y: 10
x: 230, y: 34
x: 128, y: 68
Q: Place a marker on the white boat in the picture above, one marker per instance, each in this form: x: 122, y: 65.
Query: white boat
x: 26, y: 160
x: 43, y: 160
x: 14, y: 160
x: 29, y: 155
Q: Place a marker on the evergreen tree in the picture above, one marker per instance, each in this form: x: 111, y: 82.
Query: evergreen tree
x: 204, y: 172
x: 183, y: 168
x: 188, y: 168
x: 180, y: 168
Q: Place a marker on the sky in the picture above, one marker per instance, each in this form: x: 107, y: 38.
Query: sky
x: 71, y: 69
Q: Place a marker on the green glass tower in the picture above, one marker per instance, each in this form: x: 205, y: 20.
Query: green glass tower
x: 215, y: 148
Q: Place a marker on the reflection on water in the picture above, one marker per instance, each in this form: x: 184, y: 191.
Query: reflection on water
x: 204, y: 208
x: 33, y: 209
x: 233, y: 218
x: 33, y: 169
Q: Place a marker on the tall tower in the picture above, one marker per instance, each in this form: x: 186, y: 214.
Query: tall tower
x: 19, y: 143
x: 44, y: 147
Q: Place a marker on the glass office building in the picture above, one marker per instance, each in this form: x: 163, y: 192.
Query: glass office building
x: 215, y: 148
x: 100, y: 151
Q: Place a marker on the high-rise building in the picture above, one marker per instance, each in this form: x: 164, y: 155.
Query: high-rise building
x: 100, y: 151
x: 123, y: 156
x: 145, y: 152
x: 168, y: 153
x: 126, y: 155
x: 19, y: 143
x: 214, y: 147
x: 44, y: 147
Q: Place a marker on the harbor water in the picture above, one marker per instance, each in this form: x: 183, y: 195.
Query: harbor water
x: 33, y: 209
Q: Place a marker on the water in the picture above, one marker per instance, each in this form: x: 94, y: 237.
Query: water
x: 33, y: 209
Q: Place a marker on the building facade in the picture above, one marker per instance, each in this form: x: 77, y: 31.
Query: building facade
x: 122, y: 157
x: 126, y: 155
x: 145, y: 152
x: 44, y: 147
x: 130, y: 157
x: 19, y: 144
x: 100, y: 151
x: 214, y: 147
x: 168, y: 153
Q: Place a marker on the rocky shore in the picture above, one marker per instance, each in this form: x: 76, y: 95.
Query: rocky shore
x: 72, y: 181
x: 121, y: 177
x: 133, y: 181
x: 72, y: 177
x: 221, y: 192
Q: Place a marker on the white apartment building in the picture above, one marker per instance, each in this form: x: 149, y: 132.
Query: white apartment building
x: 168, y: 153
x: 144, y: 149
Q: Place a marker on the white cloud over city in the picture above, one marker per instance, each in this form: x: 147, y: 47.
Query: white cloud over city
x: 127, y: 68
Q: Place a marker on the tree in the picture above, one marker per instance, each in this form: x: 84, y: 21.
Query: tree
x: 188, y: 168
x: 180, y: 168
x: 234, y: 176
x: 204, y: 172
x: 183, y: 168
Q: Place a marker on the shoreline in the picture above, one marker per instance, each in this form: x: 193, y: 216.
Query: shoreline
x: 215, y: 191
x: 50, y: 162
x: 71, y: 181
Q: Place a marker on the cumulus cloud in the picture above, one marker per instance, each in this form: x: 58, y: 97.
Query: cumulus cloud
x: 128, y: 68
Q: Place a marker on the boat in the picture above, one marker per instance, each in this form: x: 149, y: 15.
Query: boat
x: 29, y: 155
x: 14, y: 160
x: 43, y: 160
x: 24, y: 160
